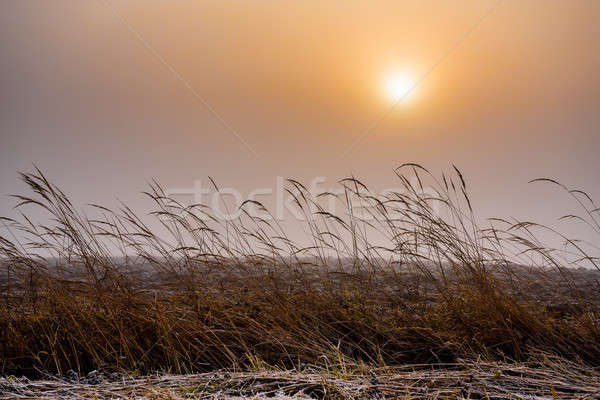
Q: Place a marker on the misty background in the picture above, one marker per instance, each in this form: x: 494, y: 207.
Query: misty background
x: 106, y: 95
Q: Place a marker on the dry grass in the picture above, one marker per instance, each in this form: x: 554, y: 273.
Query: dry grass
x: 545, y: 379
x: 405, y: 286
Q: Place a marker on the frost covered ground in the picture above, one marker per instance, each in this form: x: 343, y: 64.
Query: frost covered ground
x: 468, y: 380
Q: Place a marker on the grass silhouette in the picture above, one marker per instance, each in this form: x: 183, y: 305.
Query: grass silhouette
x: 405, y: 285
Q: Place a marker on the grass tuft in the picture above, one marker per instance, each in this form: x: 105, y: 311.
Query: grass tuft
x: 182, y: 291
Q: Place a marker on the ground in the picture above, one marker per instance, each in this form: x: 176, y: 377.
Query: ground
x: 466, y: 380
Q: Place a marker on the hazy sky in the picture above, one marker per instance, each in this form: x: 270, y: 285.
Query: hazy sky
x: 105, y: 95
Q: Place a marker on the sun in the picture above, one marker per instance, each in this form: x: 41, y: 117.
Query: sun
x: 399, y: 86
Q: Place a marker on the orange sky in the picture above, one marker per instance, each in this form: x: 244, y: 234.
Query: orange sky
x: 100, y: 94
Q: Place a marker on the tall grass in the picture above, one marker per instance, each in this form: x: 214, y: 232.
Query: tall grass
x: 405, y: 277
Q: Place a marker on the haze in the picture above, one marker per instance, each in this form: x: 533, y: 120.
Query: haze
x: 106, y: 95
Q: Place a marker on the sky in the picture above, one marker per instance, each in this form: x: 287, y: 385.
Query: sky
x: 106, y: 95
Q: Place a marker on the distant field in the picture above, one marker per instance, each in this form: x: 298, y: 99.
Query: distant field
x: 484, y: 312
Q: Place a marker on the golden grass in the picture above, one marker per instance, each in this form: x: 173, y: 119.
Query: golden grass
x: 240, y: 295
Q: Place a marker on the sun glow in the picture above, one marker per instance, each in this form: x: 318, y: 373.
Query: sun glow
x: 399, y: 86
